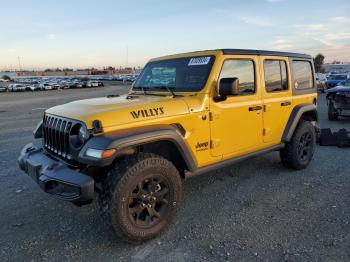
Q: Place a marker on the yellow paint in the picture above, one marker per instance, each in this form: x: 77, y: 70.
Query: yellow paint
x: 229, y: 127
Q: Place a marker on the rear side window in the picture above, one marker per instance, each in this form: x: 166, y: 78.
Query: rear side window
x: 244, y: 70
x: 302, y: 75
x: 275, y: 75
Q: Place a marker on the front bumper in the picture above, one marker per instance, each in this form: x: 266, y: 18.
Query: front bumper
x: 56, y: 178
x: 342, y: 101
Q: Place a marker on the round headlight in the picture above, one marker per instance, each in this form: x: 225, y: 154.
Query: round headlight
x: 83, y: 134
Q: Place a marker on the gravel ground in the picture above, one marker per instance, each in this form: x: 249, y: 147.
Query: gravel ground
x: 256, y: 210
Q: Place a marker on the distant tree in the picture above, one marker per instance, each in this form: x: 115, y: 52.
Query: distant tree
x: 319, y: 61
x: 110, y: 68
x: 67, y: 69
x: 6, y: 77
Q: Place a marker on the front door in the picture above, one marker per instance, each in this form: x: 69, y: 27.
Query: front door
x: 236, y: 123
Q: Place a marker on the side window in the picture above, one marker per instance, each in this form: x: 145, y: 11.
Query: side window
x: 302, y: 75
x: 243, y: 69
x: 275, y: 75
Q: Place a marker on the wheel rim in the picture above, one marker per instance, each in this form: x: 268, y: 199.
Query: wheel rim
x: 305, y: 146
x: 148, y: 202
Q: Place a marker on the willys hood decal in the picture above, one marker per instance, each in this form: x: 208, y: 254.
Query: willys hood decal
x: 121, y: 110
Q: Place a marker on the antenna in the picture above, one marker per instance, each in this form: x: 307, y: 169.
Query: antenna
x: 19, y: 64
x: 127, y: 56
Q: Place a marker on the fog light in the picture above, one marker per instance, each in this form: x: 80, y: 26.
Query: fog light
x: 100, y: 153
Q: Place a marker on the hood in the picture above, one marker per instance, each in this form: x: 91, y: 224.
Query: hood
x: 333, y: 82
x: 339, y: 88
x: 121, y: 110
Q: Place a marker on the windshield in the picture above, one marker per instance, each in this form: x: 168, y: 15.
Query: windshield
x: 337, y: 77
x: 188, y: 74
x: 346, y: 83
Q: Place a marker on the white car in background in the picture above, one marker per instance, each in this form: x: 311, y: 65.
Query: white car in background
x: 46, y: 86
x: 16, y: 88
x: 94, y: 84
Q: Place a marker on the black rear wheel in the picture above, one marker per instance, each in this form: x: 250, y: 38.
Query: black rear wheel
x: 298, y: 153
x: 140, y: 196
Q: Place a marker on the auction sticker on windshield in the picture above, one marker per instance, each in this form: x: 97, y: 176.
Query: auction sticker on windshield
x: 199, y: 61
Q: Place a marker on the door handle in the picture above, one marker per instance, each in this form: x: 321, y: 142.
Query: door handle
x: 255, y: 108
x: 286, y: 103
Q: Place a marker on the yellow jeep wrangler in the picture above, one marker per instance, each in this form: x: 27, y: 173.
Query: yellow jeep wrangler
x: 185, y: 115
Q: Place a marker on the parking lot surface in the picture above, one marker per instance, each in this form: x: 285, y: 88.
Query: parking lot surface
x: 256, y: 210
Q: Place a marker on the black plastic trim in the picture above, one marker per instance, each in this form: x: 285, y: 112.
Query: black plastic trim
x: 38, y: 131
x: 56, y: 178
x: 294, y: 119
x: 232, y: 161
x: 134, y: 137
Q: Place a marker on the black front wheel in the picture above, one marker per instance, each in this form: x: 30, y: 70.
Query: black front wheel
x: 332, y: 112
x: 298, y: 153
x: 140, y: 196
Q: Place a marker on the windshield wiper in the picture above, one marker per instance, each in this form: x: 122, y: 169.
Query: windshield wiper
x: 169, y: 90
x: 143, y: 89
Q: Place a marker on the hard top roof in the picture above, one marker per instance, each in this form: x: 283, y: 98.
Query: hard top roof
x: 227, y: 51
x: 262, y: 52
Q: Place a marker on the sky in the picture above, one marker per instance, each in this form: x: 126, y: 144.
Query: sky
x: 84, y: 33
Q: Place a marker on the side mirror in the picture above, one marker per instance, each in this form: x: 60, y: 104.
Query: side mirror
x: 229, y: 87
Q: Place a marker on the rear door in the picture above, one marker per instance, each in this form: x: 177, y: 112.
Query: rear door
x: 277, y: 96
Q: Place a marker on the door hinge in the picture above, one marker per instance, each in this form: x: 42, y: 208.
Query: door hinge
x: 266, y: 131
x: 214, y: 143
x: 210, y: 116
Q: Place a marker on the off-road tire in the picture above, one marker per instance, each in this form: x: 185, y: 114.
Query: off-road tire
x: 291, y: 155
x: 124, y: 176
x: 332, y: 113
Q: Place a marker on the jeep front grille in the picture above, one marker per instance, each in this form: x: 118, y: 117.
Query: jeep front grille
x: 56, y: 132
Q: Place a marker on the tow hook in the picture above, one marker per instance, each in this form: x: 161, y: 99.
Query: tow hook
x: 29, y: 149
x: 52, y: 166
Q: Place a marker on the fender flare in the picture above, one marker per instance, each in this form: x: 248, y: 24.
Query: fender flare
x: 135, y: 137
x: 294, y: 119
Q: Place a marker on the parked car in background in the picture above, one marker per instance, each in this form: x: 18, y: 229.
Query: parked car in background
x: 65, y: 84
x: 335, y: 79
x: 16, y: 88
x: 56, y: 86
x: 3, y: 89
x: 321, y: 82
x: 46, y: 86
x: 338, y: 99
x: 81, y: 84
x: 34, y: 87
x: 94, y: 84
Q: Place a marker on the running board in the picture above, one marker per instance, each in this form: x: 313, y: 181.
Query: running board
x: 231, y: 161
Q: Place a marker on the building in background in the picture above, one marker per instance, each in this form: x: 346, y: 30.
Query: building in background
x: 80, y: 72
